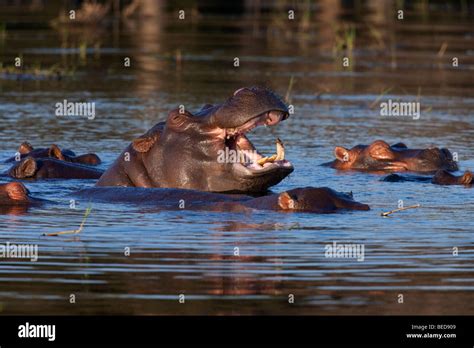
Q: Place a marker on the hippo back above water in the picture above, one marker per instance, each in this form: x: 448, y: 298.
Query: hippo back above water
x: 307, y: 199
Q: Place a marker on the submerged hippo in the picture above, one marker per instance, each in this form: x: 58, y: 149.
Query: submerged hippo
x: 26, y: 150
x: 380, y: 156
x: 308, y: 199
x: 189, y: 150
x: 442, y: 177
x: 15, y: 193
x: 15, y: 199
x: 49, y: 168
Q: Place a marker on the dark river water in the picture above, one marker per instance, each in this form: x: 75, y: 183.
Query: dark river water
x: 191, y: 62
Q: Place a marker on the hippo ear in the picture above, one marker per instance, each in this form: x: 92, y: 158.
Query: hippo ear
x: 147, y: 140
x: 25, y: 147
x: 285, y: 201
x: 16, y: 191
x: 26, y: 168
x: 55, y: 152
x: 143, y: 144
x: 341, y: 153
x: 466, y: 179
x: 381, y: 150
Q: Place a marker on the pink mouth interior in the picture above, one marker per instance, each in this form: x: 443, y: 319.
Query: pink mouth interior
x: 235, y: 139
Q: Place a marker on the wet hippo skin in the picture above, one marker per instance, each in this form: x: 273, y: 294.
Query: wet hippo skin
x: 15, y: 199
x: 307, y: 199
x: 184, y: 151
x: 26, y: 150
x: 49, y: 168
x: 442, y: 177
x: 380, y: 156
x: 15, y: 193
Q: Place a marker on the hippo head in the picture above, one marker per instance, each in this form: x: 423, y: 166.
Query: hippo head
x: 26, y: 149
x: 318, y: 199
x: 66, y: 155
x: 210, y: 150
x: 380, y: 156
x: 443, y: 177
x: 14, y: 193
x: 26, y: 168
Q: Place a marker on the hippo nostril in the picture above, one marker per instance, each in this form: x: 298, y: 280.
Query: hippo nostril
x: 273, y: 117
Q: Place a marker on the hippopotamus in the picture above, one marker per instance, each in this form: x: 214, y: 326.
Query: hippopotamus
x: 380, y: 156
x: 15, y: 193
x: 26, y: 150
x: 307, y: 199
x: 441, y: 177
x: 188, y: 150
x: 50, y: 168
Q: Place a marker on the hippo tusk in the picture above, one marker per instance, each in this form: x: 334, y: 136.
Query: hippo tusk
x: 280, y: 148
x: 279, y: 156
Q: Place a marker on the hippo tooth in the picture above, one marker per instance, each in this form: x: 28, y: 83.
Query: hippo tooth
x: 279, y: 156
x: 280, y: 149
x: 264, y: 160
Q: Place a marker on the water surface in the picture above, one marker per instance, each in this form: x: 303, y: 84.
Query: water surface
x: 192, y: 253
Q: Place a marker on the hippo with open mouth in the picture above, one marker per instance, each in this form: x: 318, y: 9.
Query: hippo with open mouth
x: 380, y: 156
x: 187, y: 150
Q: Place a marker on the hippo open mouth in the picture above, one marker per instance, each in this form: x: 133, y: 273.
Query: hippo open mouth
x: 208, y: 150
x: 249, y: 162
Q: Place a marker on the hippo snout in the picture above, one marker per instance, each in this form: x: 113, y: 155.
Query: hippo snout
x: 438, y: 158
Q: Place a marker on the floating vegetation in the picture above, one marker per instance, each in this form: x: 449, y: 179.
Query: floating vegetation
x: 54, y: 72
x: 289, y: 89
x: 380, y: 96
x: 3, y: 31
x: 90, y: 13
x: 387, y: 213
x: 344, y: 39
x: 76, y: 231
